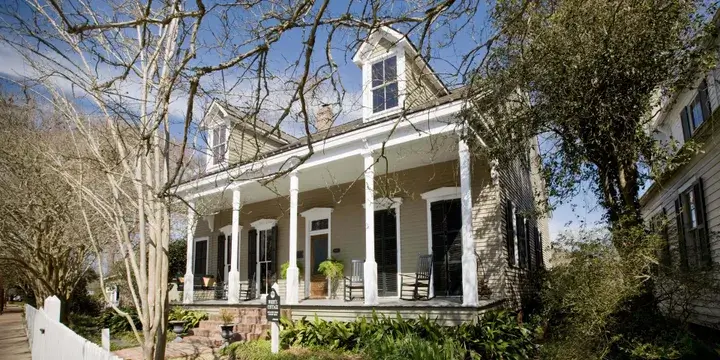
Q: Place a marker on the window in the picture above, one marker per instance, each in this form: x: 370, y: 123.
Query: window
x: 692, y: 227
x: 659, y: 227
x: 218, y: 145
x: 696, y: 113
x: 384, y: 84
x: 538, y: 248
x: 510, y: 233
x: 522, y: 240
x: 322, y: 224
x: 201, y: 257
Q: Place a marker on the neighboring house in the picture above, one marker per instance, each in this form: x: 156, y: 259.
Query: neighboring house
x: 383, y: 189
x: 689, y: 195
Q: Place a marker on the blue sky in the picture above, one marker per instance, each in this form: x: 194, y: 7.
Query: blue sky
x: 444, y: 60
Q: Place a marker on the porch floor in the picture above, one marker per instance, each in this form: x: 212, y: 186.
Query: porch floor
x: 389, y: 302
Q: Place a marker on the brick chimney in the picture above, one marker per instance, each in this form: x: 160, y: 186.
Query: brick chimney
x: 324, y: 118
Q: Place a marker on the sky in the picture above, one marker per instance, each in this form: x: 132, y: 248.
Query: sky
x: 444, y: 60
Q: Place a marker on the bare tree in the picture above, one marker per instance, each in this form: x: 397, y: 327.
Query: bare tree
x: 43, y: 241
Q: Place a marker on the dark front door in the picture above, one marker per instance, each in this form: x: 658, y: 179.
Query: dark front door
x: 319, y: 246
x: 446, y: 247
x: 386, y: 251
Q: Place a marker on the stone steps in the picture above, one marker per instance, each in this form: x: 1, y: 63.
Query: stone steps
x: 249, y: 324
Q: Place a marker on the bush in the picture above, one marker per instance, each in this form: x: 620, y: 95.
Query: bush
x: 495, y: 335
x: 192, y: 318
x: 260, y: 350
x: 118, y: 323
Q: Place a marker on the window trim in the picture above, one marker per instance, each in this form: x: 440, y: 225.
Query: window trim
x: 702, y: 252
x: 701, y: 95
x: 317, y: 213
x: 207, y: 254
x: 385, y: 84
x: 211, y: 145
x: 368, y: 114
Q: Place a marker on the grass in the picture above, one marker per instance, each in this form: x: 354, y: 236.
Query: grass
x: 87, y: 327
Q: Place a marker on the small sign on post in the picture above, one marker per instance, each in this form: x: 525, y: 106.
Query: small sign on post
x: 272, y: 310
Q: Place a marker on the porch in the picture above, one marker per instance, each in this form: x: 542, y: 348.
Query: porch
x: 372, y: 200
x: 448, y: 311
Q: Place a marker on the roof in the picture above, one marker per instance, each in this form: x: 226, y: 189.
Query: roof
x: 258, y: 124
x: 345, y: 128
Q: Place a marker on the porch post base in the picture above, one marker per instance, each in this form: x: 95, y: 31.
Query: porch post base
x: 371, y: 288
x: 188, y: 288
x: 293, y: 274
x: 233, y: 296
x: 469, y: 274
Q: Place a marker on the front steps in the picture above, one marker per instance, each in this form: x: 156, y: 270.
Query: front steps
x: 250, y: 324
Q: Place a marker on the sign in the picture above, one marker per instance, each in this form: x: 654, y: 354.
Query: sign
x: 272, y: 308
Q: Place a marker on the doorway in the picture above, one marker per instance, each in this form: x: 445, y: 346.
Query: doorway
x: 319, y: 252
x: 266, y: 255
x: 386, y: 250
x: 446, y: 242
x: 223, y: 258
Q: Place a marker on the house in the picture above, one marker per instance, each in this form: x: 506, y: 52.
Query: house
x: 687, y: 195
x: 398, y: 183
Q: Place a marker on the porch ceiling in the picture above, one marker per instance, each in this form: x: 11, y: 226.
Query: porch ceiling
x: 411, y: 154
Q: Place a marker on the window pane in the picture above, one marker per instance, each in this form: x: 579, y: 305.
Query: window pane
x: 692, y: 211
x: 390, y: 69
x: 319, y: 224
x: 377, y: 74
x: 391, y: 96
x: 378, y: 99
x: 697, y: 114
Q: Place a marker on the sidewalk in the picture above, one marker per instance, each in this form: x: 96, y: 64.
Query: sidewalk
x: 13, y: 342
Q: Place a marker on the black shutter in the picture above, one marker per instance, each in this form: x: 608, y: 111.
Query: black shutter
x: 538, y: 248
x: 704, y: 100
x: 685, y: 120
x: 701, y: 243
x: 220, y: 257
x: 522, y: 242
x: 681, y: 232
x: 273, y: 252
x: 666, y: 258
x: 509, y: 233
x: 252, y: 253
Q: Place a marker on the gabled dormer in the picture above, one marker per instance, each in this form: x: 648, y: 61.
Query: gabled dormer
x: 231, y: 137
x: 394, y: 75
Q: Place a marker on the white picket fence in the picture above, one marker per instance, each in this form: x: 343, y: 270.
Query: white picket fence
x: 49, y: 339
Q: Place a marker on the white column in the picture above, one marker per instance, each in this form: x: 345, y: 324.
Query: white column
x: 469, y: 262
x: 371, y: 288
x: 234, y: 274
x: 188, y: 280
x: 293, y: 273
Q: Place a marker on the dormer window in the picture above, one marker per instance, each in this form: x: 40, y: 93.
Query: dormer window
x: 217, y: 144
x: 384, y: 84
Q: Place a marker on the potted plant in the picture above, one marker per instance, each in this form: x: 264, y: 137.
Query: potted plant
x: 226, y: 329
x: 178, y: 327
x: 333, y: 270
x: 208, y: 280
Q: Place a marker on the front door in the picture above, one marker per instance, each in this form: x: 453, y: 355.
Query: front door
x: 386, y: 251
x: 446, y: 247
x: 266, y: 258
x: 319, y: 252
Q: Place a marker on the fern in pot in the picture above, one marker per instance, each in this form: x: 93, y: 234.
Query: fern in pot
x: 333, y: 270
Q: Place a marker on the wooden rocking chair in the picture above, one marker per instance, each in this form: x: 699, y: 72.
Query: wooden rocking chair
x: 250, y: 292
x: 421, y: 280
x: 354, y: 281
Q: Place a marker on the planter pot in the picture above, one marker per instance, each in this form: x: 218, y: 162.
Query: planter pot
x: 208, y: 281
x: 178, y: 327
x: 226, y: 331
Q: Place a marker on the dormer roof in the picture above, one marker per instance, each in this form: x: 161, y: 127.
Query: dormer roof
x: 388, y: 37
x: 236, y: 117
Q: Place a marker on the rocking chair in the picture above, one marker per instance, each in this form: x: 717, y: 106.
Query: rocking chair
x: 354, y: 281
x: 419, y: 281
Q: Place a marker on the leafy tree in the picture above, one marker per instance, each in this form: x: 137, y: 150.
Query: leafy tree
x: 176, y: 258
x: 585, y: 75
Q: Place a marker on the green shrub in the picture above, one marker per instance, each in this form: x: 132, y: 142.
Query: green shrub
x: 417, y: 348
x: 118, y: 323
x: 284, y: 267
x: 495, y: 335
x: 192, y: 318
x: 260, y: 350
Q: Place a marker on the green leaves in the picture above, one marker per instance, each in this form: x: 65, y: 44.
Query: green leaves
x: 192, y: 318
x: 495, y: 335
